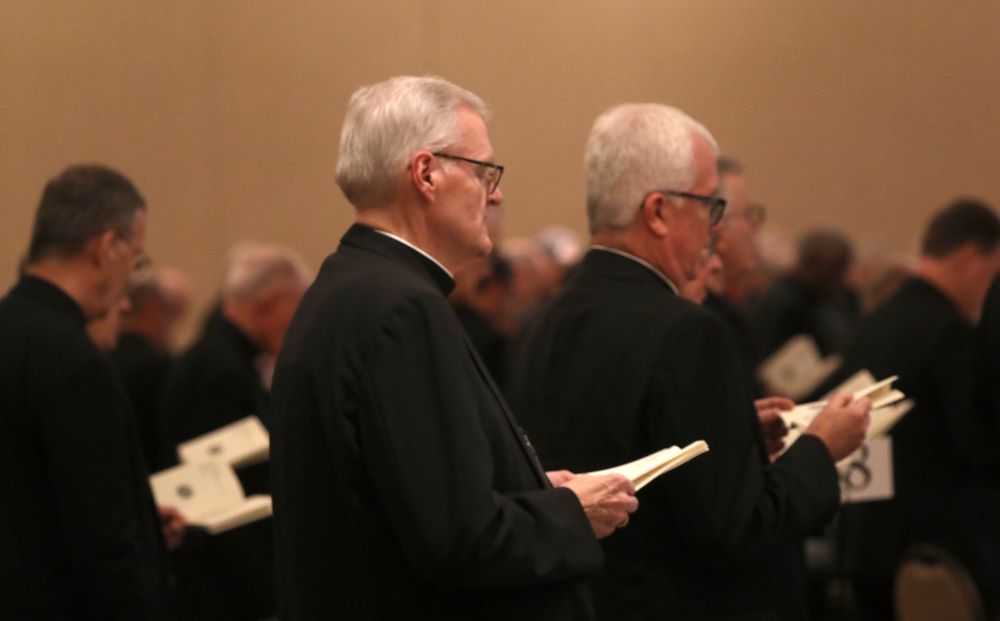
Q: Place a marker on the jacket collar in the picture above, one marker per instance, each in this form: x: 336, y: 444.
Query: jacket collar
x: 45, y: 292
x: 367, y: 238
x: 623, y: 266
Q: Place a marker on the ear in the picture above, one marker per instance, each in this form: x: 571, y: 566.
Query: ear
x: 424, y: 173
x: 654, y: 213
x: 103, y: 248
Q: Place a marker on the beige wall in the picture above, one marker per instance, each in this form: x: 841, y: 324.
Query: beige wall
x: 226, y: 113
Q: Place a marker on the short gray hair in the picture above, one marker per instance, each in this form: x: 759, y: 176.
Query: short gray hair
x: 253, y: 266
x: 632, y: 150
x: 388, y: 122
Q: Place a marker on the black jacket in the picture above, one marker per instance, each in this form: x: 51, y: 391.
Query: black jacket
x: 944, y: 451
x: 618, y: 366
x: 79, y: 533
x: 229, y: 576
x: 402, y: 487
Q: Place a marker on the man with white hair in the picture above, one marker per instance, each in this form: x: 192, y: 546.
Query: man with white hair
x: 216, y: 382
x: 619, y: 365
x: 404, y: 487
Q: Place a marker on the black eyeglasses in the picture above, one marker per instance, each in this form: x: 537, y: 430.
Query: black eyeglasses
x: 488, y: 171
x: 716, y: 204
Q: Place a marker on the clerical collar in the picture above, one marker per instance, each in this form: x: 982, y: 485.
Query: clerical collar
x: 406, y: 243
x: 641, y: 262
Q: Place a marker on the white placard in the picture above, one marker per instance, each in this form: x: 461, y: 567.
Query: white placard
x: 866, y: 474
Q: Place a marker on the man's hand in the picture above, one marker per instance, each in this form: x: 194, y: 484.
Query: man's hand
x: 559, y: 477
x: 173, y: 525
x: 841, y: 425
x: 607, y: 500
x: 774, y: 428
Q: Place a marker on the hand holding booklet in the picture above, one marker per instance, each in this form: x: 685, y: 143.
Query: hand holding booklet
x: 888, y: 406
x: 209, y: 495
x: 643, y: 470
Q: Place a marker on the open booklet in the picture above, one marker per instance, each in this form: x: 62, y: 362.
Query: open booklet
x: 208, y: 494
x: 643, y: 470
x: 242, y: 443
x: 796, y: 368
x: 888, y: 406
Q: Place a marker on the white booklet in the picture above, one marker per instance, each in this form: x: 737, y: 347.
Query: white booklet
x: 208, y: 494
x: 643, y: 470
x: 888, y: 406
x: 242, y: 443
x: 796, y: 369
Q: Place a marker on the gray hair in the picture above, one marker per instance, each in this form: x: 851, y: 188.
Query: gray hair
x: 388, y: 122
x: 253, y: 266
x: 634, y: 149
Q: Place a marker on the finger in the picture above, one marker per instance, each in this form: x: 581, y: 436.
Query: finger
x: 630, y: 504
x: 778, y: 403
x: 840, y: 400
x: 864, y: 403
x: 620, y: 483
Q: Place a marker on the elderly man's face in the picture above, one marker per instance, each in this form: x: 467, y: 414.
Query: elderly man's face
x: 458, y: 220
x: 689, y: 225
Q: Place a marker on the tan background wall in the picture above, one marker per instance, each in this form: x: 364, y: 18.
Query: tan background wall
x: 226, y: 113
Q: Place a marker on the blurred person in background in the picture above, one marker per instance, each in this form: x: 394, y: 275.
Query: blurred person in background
x: 815, y: 299
x: 732, y: 287
x: 481, y: 301
x: 157, y: 303
x: 946, y: 466
x: 218, y: 381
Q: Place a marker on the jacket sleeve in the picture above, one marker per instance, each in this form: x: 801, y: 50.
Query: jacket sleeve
x: 731, y: 503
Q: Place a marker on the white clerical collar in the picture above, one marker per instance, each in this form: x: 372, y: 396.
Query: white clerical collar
x: 406, y: 243
x: 641, y: 262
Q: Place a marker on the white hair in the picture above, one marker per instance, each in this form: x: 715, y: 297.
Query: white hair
x: 253, y: 266
x: 388, y: 122
x: 634, y: 149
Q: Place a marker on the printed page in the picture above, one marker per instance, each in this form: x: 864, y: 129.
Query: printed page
x: 241, y: 443
x: 645, y: 469
x: 197, y: 489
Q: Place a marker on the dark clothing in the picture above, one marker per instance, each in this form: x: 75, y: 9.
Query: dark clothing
x: 947, y: 488
x: 988, y: 356
x: 491, y: 344
x: 746, y: 343
x: 143, y: 369
x: 403, y: 488
x: 79, y: 532
x: 214, y: 383
x: 618, y: 366
x: 790, y: 308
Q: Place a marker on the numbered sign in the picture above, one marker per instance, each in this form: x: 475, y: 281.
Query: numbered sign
x: 866, y: 474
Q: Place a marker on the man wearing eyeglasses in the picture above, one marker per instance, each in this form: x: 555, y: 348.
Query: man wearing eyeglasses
x: 732, y: 287
x: 403, y: 486
x: 619, y: 365
x: 79, y: 533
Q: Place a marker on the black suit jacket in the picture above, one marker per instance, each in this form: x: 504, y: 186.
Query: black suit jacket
x: 402, y: 488
x: 79, y: 533
x: 944, y: 450
x: 618, y: 366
